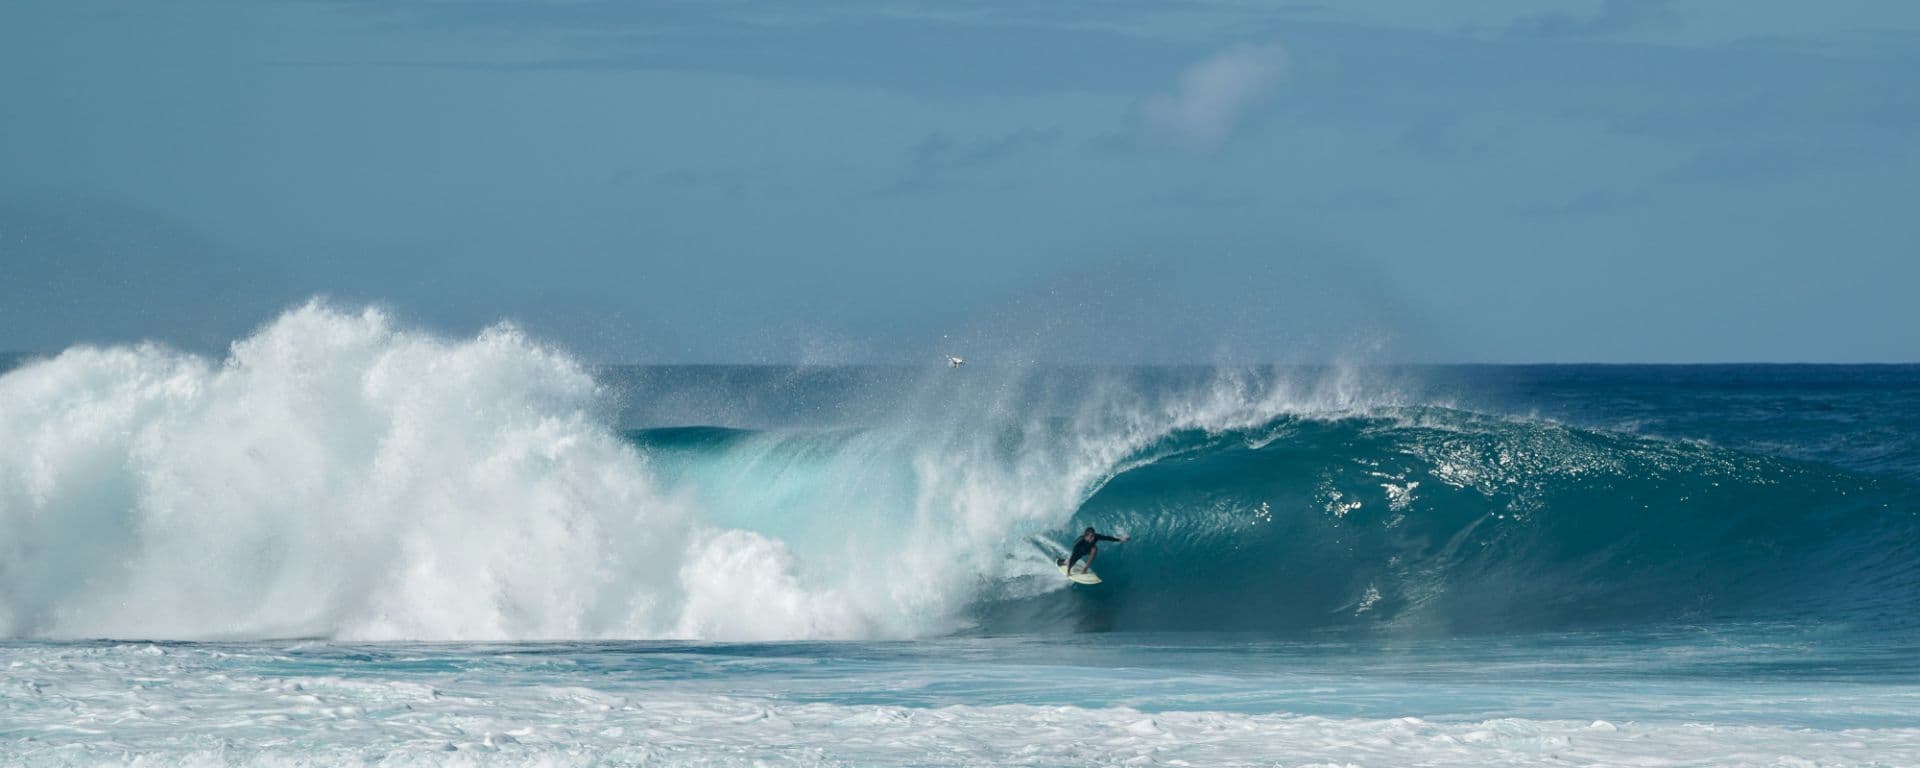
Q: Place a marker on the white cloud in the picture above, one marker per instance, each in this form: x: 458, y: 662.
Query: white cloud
x: 1207, y: 104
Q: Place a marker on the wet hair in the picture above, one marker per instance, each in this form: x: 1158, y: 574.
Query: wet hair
x: 1087, y: 531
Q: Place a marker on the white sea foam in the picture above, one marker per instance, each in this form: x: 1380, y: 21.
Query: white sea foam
x: 722, y: 731
x: 339, y: 475
x: 68, y: 707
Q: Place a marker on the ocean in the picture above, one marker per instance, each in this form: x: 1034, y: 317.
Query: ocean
x: 350, y: 542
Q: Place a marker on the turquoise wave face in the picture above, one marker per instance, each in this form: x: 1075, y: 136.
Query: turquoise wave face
x: 1444, y: 521
x: 1421, y: 520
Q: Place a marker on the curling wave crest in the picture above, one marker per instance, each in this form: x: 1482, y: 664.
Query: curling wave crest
x: 338, y: 475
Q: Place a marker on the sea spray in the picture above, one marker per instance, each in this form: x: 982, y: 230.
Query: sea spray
x: 931, y: 507
x: 339, y: 476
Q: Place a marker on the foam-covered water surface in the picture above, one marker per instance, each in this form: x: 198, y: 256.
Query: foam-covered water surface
x: 1738, y: 696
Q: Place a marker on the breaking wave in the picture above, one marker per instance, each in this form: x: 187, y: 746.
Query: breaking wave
x: 337, y: 475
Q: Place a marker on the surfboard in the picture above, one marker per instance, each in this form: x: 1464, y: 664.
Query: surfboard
x: 1081, y: 577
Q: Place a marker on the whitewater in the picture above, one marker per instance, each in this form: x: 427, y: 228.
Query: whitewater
x: 352, y: 541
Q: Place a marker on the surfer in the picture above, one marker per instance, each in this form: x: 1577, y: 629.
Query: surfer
x: 1087, y: 546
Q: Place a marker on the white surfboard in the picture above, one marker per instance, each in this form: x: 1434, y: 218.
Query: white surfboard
x: 1081, y: 577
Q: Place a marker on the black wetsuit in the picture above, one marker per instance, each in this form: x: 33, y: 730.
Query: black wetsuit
x: 1082, y: 547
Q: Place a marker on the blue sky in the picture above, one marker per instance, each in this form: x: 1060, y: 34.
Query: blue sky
x: 1392, y: 180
